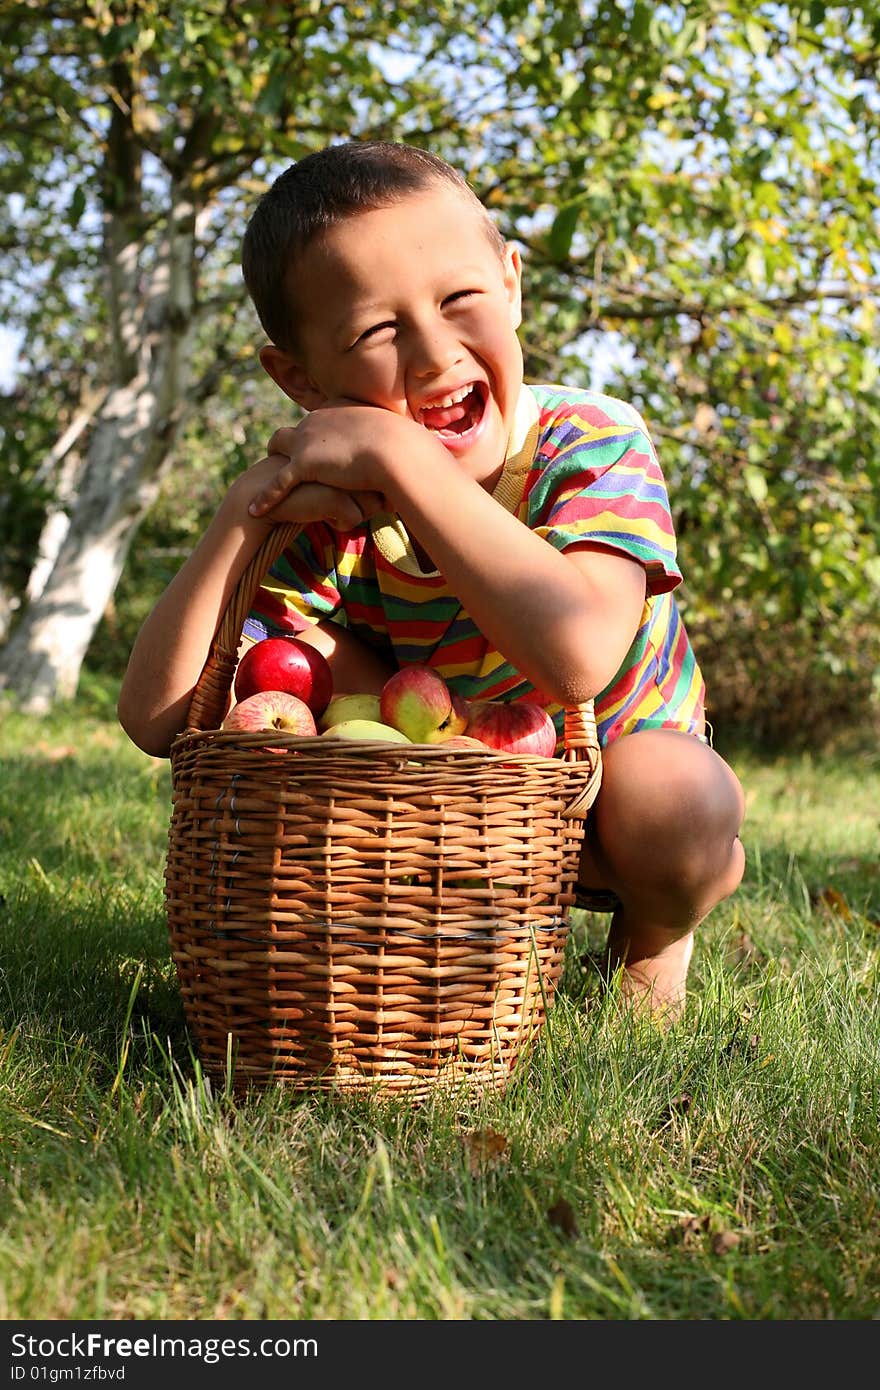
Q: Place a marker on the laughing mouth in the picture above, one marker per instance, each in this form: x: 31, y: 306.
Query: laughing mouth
x: 458, y: 412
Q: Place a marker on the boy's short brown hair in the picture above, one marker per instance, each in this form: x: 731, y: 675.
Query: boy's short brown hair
x: 316, y: 193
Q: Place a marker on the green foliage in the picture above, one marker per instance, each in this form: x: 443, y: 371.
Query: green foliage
x: 698, y: 181
x: 720, y: 212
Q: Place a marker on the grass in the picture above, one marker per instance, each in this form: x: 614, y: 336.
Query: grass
x: 725, y: 1170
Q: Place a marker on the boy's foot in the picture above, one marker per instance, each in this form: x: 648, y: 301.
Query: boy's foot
x: 657, y: 985
x: 653, y: 987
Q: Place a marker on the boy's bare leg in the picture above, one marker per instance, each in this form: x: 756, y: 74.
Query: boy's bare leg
x: 356, y: 668
x: 663, y: 835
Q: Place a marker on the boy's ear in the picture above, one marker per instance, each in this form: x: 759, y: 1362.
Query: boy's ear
x: 513, y: 282
x: 291, y: 377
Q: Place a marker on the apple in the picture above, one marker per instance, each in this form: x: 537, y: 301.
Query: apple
x: 420, y: 704
x: 461, y: 713
x: 350, y: 707
x: 519, y: 726
x: 285, y: 663
x: 272, y: 709
x: 365, y: 728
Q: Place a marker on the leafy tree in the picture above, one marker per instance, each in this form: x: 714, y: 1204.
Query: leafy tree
x: 698, y: 180
x: 714, y: 200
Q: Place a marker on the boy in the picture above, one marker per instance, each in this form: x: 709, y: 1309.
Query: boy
x: 518, y: 538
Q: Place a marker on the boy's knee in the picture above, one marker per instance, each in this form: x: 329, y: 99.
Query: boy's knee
x: 712, y: 792
x: 670, y: 777
x: 674, y: 806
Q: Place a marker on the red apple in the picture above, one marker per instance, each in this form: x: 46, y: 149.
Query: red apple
x: 272, y: 709
x: 520, y: 726
x: 465, y: 741
x: 286, y: 663
x: 419, y: 703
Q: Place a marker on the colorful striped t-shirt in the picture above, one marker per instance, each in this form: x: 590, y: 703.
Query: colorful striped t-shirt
x: 580, y: 467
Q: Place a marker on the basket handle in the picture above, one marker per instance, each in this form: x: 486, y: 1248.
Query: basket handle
x: 211, y: 691
x: 581, y: 744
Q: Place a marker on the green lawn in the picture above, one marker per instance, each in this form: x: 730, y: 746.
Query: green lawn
x: 727, y: 1169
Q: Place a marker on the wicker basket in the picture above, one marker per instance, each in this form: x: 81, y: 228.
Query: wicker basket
x: 365, y: 916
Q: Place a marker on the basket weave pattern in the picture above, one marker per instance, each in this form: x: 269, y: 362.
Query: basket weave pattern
x: 361, y: 916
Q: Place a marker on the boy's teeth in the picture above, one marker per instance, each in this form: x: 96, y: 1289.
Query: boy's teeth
x: 455, y: 412
x: 452, y: 399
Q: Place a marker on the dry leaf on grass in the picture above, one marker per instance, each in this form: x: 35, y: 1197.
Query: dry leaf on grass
x: 679, y: 1105
x: 689, y: 1229
x: 561, y: 1215
x: 692, y: 1229
x: 724, y: 1241
x: 833, y: 901
x: 482, y: 1146
x: 860, y: 866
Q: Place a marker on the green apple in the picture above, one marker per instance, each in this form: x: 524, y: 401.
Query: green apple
x: 365, y: 729
x: 350, y: 707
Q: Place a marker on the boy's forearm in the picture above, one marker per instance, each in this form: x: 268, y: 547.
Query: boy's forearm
x: 564, y: 633
x: 173, y: 643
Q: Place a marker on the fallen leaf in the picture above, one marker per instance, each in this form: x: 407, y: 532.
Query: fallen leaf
x: 483, y: 1145
x: 689, y: 1229
x: 834, y: 901
x: 679, y: 1105
x: 561, y: 1215
x: 861, y: 866
x: 724, y: 1241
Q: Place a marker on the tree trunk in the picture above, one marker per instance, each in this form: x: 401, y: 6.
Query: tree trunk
x: 129, y: 448
x: 123, y: 471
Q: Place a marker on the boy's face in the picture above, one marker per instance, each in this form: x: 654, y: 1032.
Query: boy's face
x: 411, y: 308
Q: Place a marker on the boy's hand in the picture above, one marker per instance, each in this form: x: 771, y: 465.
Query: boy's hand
x: 307, y: 502
x: 337, y: 464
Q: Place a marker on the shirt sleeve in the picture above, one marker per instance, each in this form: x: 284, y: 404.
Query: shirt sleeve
x: 300, y: 588
x: 599, y: 482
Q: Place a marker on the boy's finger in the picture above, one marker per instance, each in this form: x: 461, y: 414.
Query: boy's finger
x: 285, y: 481
x: 282, y: 441
x: 318, y: 502
x: 370, y: 503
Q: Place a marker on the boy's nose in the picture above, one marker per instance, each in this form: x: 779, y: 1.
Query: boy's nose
x: 435, y: 350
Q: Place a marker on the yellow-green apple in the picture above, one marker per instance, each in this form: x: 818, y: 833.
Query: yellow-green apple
x: 272, y: 709
x: 286, y: 663
x: 349, y: 707
x: 519, y: 726
x: 365, y: 728
x: 461, y: 713
x: 418, y: 702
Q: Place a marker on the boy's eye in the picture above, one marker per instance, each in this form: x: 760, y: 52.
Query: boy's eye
x: 374, y: 329
x: 459, y: 295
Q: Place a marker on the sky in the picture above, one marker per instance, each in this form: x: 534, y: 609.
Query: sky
x: 8, y: 352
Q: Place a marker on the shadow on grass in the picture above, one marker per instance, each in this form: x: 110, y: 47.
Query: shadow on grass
x: 73, y: 975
